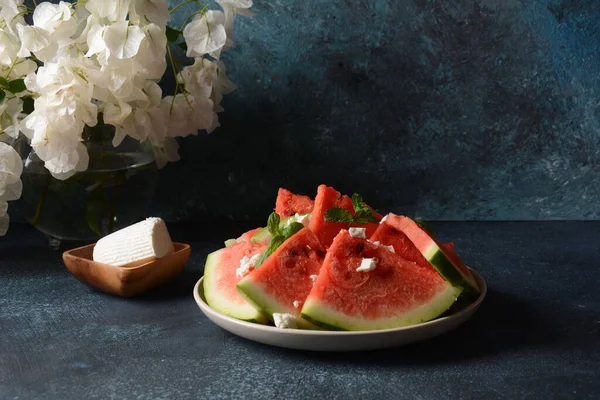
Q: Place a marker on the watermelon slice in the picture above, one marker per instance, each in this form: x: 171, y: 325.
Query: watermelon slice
x: 246, y: 237
x: 328, y: 197
x: 288, y: 204
x: 220, y: 279
x: 395, y: 293
x: 407, y: 236
x: 282, y: 282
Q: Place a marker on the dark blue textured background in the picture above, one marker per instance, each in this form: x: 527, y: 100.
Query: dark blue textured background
x: 478, y: 109
x: 481, y: 109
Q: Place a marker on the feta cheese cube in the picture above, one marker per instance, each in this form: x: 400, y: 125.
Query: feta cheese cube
x: 284, y: 320
x: 367, y: 264
x: 358, y: 232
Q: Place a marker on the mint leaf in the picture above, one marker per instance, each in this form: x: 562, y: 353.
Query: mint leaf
x: 338, y: 214
x: 275, y: 242
x: 2, y: 95
x: 17, y: 86
x: 364, y: 216
x: 273, y: 224
x: 292, y: 229
x: 172, y: 34
x: 357, y: 202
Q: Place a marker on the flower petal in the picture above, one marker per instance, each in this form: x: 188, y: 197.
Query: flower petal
x: 123, y: 40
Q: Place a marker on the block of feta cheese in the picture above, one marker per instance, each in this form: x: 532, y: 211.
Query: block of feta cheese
x: 148, y: 238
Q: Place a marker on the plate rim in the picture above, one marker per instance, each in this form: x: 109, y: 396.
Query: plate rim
x: 465, y: 312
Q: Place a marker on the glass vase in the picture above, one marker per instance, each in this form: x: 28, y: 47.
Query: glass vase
x: 112, y: 193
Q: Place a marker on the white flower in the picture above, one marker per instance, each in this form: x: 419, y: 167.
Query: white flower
x: 9, y: 47
x: 10, y: 116
x: 169, y: 152
x: 56, y: 19
x: 11, y: 168
x: 123, y: 39
x: 154, y: 11
x: 65, y: 91
x: 37, y: 41
x: 11, y: 13
x: 207, y: 79
x: 206, y: 34
x: 112, y: 11
x: 231, y: 8
x: 152, y: 54
x: 21, y: 68
x: 187, y: 114
x: 198, y: 78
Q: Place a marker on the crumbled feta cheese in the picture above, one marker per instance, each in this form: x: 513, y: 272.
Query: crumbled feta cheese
x: 296, y: 304
x: 378, y: 244
x: 303, y: 219
x: 314, y: 278
x: 390, y: 248
x: 384, y: 219
x: 358, y: 232
x: 284, y: 320
x: 246, y: 263
x: 367, y: 264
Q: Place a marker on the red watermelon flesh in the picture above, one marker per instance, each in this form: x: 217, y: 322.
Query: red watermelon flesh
x: 327, y: 197
x: 388, y: 235
x: 443, y: 258
x: 288, y: 204
x: 370, y: 227
x: 220, y: 280
x: 396, y: 293
x: 285, y: 276
x: 247, y: 235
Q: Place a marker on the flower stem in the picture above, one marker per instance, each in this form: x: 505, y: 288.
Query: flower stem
x: 201, y: 11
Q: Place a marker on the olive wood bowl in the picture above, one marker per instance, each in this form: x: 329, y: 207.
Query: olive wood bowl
x: 127, y: 280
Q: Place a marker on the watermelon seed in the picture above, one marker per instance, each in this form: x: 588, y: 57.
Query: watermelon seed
x: 360, y: 247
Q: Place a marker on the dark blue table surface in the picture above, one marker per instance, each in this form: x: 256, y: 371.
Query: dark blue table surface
x: 537, y: 335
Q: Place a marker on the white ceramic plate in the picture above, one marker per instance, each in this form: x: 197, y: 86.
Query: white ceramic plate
x: 335, y: 340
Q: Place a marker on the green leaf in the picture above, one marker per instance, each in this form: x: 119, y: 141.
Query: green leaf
x: 358, y: 202
x: 17, y: 86
x: 338, y: 214
x: 28, y: 103
x: 2, y: 95
x: 182, y: 46
x: 292, y: 229
x: 273, y: 224
x: 364, y: 216
x: 275, y: 242
x: 173, y: 34
x: 3, y: 83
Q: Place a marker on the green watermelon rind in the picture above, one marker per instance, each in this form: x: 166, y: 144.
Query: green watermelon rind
x: 215, y: 301
x: 265, y: 304
x: 323, y: 316
x: 438, y: 259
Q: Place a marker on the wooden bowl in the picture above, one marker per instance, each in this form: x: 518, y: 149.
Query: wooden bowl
x: 127, y: 280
